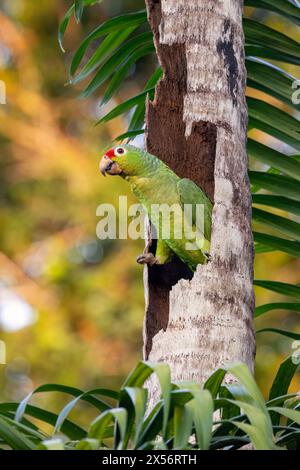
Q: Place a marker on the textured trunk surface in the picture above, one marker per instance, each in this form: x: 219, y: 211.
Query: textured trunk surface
x: 197, y: 125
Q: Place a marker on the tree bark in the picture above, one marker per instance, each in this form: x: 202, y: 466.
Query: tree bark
x: 197, y: 124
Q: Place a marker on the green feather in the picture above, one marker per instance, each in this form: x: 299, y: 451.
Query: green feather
x: 190, y: 193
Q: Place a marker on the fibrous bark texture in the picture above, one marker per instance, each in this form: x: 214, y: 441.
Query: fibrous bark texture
x: 197, y: 125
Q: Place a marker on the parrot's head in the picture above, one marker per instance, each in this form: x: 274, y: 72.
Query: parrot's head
x: 124, y: 160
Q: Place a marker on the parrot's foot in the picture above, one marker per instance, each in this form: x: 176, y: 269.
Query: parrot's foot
x: 207, y: 255
x: 147, y: 258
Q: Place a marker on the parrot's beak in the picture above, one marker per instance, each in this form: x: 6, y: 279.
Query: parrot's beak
x: 109, y: 166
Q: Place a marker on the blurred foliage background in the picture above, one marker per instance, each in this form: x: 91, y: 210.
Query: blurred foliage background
x: 71, y: 306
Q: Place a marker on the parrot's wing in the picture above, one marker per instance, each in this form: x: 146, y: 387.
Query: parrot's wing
x: 190, y: 193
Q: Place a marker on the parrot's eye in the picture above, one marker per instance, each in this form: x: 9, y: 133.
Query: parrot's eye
x: 119, y: 151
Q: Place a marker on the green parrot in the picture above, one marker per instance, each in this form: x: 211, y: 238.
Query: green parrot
x: 155, y: 184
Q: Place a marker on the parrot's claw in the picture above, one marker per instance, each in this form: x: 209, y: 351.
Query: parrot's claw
x: 147, y: 258
x: 207, y: 255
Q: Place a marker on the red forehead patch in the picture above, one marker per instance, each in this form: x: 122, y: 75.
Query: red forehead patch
x: 110, y: 153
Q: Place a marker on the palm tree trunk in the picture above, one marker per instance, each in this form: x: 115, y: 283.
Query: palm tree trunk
x: 197, y: 124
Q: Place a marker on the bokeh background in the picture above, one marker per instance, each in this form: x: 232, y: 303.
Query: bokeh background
x: 71, y: 306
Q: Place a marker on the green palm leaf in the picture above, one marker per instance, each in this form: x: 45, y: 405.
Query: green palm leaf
x: 270, y: 79
x: 276, y: 243
x: 282, y: 7
x: 276, y: 306
x: 273, y: 121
